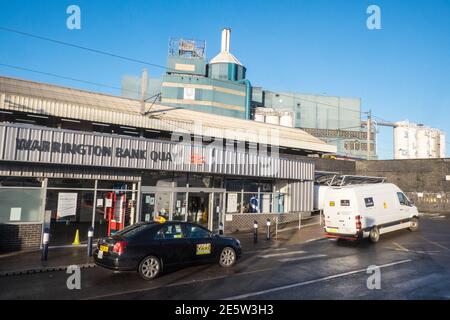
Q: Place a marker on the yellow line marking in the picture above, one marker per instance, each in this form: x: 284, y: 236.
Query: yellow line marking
x: 402, y: 248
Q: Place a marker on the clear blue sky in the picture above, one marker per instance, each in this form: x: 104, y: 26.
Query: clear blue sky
x: 311, y: 46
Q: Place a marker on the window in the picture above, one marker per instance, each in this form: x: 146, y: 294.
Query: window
x: 197, y: 232
x: 170, y: 231
x: 20, y: 205
x: 131, y: 230
x: 369, y: 202
x: 345, y: 203
x: 402, y: 199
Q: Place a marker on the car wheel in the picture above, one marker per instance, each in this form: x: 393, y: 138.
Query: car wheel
x: 149, y: 268
x: 227, y: 257
x: 414, y: 224
x: 374, y: 235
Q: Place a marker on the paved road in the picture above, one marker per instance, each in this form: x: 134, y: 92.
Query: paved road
x: 412, y: 265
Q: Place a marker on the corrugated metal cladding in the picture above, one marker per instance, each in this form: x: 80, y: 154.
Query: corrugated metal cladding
x: 301, y: 196
x: 50, y: 100
x: 33, y: 144
x: 67, y: 172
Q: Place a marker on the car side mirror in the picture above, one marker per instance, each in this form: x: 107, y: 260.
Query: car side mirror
x: 411, y: 203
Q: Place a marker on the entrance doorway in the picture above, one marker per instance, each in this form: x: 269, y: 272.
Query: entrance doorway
x: 197, y: 205
x: 198, y: 208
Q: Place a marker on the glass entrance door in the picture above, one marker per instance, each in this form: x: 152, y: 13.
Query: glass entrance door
x: 217, y: 209
x: 198, y: 208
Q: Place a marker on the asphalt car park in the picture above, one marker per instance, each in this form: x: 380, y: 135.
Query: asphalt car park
x: 413, y: 265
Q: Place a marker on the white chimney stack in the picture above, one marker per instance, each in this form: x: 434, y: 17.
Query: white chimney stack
x: 226, y: 34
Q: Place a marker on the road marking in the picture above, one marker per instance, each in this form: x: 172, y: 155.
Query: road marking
x: 264, y: 250
x: 175, y: 284
x: 300, y: 284
x: 282, y: 254
x: 402, y: 248
x: 303, y: 258
x: 415, y: 251
x: 436, y: 244
x: 322, y: 239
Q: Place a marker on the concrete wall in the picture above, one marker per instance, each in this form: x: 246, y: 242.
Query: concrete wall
x: 339, y: 166
x: 423, y: 180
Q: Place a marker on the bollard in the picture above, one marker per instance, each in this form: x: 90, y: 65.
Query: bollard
x: 45, y: 241
x: 268, y: 229
x: 221, y: 228
x: 255, y: 231
x: 89, y: 244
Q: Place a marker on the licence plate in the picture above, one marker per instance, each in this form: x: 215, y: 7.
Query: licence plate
x: 332, y: 230
x: 100, y: 254
x: 104, y: 248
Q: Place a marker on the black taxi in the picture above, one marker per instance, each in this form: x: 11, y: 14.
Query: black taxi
x: 151, y: 246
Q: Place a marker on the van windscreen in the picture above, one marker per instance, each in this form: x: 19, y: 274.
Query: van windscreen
x: 345, y: 203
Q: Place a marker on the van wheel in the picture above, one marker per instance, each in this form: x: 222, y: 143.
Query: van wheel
x: 374, y: 235
x: 414, y: 226
x: 149, y: 268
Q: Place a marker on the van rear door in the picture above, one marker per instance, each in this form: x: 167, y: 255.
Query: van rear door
x: 339, y: 211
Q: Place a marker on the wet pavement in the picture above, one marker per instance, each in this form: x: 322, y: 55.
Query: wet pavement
x: 411, y: 265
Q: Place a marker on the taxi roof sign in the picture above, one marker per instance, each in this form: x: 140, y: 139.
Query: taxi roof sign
x: 159, y: 219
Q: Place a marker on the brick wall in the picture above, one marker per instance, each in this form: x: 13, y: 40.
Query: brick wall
x: 16, y: 237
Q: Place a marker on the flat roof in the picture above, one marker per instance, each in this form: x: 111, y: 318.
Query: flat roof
x: 53, y: 100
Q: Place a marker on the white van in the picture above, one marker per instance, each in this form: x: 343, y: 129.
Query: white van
x: 360, y: 211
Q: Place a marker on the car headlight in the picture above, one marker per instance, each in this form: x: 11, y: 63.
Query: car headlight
x: 238, y: 242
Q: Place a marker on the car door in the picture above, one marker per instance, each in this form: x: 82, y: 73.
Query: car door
x: 175, y: 246
x: 202, y: 243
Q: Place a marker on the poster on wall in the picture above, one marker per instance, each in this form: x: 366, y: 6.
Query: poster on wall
x: 15, y: 214
x: 232, y: 202
x: 67, y: 205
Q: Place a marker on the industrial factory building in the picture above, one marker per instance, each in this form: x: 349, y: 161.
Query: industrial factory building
x: 71, y: 159
x: 220, y: 87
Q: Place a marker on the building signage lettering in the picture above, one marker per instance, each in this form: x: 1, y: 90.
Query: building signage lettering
x: 86, y: 149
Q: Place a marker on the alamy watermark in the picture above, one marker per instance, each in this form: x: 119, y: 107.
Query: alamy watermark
x: 74, y: 280
x: 373, y: 22
x: 73, y: 21
x: 374, y: 280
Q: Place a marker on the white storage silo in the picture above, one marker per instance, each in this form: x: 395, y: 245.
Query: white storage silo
x: 434, y: 143
x: 286, y: 119
x: 412, y: 141
x: 401, y: 140
x: 442, y: 145
x: 423, y: 142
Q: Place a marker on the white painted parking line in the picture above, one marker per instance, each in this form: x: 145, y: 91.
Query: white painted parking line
x: 300, y: 284
x: 436, y: 244
x: 303, y: 258
x: 282, y: 254
x: 265, y: 250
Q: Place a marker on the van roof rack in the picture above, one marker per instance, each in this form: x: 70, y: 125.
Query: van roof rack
x: 335, y: 179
